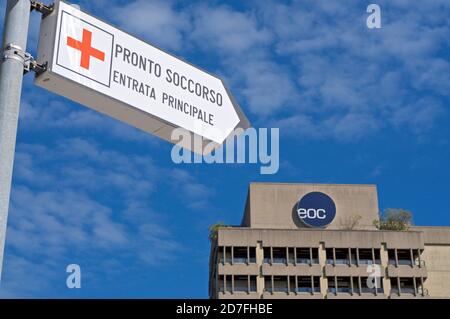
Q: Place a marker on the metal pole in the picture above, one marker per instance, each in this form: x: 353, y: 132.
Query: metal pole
x: 15, y: 31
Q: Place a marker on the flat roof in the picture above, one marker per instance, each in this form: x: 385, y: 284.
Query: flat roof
x: 318, y: 184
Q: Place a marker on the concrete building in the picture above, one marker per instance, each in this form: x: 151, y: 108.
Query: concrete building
x: 319, y: 241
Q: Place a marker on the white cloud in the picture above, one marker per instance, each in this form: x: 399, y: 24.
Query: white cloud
x: 80, y: 210
x: 266, y: 86
x: 352, y: 82
x: 196, y: 195
x: 314, y: 59
x: 155, y: 20
x: 41, y: 113
x: 226, y: 31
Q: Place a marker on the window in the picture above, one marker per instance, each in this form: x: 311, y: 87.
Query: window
x: 315, y: 255
x: 339, y: 285
x: 353, y: 256
x: 365, y: 256
x: 279, y: 255
x: 404, y: 257
x: 240, y: 255
x: 330, y: 256
x: 306, y: 283
x: 356, y: 285
x: 331, y: 285
x: 303, y: 256
x: 316, y: 282
x: 280, y: 284
x: 252, y: 283
x: 267, y: 258
x: 343, y: 285
x: 240, y: 283
x: 291, y: 256
x: 221, y: 283
x: 252, y: 255
x: 228, y: 255
x: 292, y: 284
x: 228, y: 283
x: 407, y: 286
x: 268, y: 283
x: 369, y: 285
x: 341, y: 256
x: 377, y: 256
x: 220, y: 258
x: 391, y: 257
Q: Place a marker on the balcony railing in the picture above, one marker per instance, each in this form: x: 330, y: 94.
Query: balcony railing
x: 394, y: 290
x: 367, y: 290
x: 339, y: 290
x: 279, y: 260
x: 240, y: 260
x: 240, y: 288
x: 225, y: 260
x: 407, y: 262
x: 307, y: 289
x: 369, y: 261
x: 408, y: 290
x: 243, y: 288
x: 303, y: 261
x: 280, y: 289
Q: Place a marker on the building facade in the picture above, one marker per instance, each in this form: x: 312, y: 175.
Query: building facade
x: 319, y: 241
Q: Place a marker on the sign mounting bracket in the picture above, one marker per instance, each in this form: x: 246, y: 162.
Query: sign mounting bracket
x: 15, y: 52
x: 41, y: 7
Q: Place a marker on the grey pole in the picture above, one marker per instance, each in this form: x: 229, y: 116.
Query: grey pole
x: 14, y: 43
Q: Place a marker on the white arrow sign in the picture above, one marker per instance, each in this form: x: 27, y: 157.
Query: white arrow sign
x: 106, y: 69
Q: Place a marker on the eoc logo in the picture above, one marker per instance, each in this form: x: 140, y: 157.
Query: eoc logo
x: 316, y: 209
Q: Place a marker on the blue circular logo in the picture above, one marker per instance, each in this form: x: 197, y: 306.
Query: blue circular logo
x: 316, y: 209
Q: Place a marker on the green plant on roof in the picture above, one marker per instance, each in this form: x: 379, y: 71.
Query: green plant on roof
x: 213, y: 230
x: 397, y: 219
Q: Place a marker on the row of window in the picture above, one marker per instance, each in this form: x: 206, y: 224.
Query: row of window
x: 233, y: 283
x: 311, y: 284
x: 355, y: 285
x: 408, y: 285
x: 334, y: 256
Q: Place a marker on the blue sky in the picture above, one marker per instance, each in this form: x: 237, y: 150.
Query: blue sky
x: 353, y: 106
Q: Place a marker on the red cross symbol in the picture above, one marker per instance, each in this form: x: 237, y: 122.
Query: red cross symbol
x: 86, y: 50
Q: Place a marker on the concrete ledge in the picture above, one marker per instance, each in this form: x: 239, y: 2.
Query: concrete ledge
x: 282, y: 295
x: 347, y: 271
x: 434, y: 235
x: 238, y: 295
x: 238, y: 269
x: 356, y: 296
x: 291, y: 270
x: 406, y: 271
x: 407, y: 296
